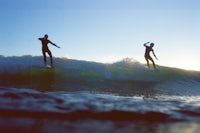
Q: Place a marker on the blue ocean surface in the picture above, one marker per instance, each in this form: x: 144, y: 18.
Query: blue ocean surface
x: 83, y: 97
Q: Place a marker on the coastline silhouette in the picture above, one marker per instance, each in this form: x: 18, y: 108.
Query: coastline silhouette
x: 45, y: 49
x: 147, y: 54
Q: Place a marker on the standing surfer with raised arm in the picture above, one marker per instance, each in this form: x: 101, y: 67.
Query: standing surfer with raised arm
x: 45, y: 48
x: 147, y: 54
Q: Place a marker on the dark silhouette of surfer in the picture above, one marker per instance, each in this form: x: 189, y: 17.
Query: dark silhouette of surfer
x: 45, y: 49
x: 147, y: 54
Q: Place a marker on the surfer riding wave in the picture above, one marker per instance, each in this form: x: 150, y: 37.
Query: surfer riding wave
x: 45, y: 49
x: 147, y: 54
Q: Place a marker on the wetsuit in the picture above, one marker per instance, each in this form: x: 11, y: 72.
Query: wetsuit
x: 147, y: 55
x: 46, y: 49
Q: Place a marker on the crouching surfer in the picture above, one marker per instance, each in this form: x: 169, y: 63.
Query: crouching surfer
x: 147, y: 54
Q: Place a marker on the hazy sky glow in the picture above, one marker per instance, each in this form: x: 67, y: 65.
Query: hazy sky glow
x: 104, y: 30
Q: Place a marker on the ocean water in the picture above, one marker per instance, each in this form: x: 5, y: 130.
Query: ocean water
x: 84, y: 97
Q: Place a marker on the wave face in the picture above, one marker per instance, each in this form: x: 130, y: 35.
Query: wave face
x: 126, y: 77
x: 81, y: 97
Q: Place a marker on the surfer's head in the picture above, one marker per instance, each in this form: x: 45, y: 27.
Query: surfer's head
x: 152, y: 44
x: 46, y: 36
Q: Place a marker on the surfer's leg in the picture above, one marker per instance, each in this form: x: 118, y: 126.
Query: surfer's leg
x: 44, y: 56
x: 152, y: 62
x: 147, y: 62
x: 51, y: 58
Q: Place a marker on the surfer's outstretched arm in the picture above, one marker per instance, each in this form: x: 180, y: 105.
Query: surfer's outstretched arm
x: 154, y: 55
x: 146, y: 44
x: 54, y: 44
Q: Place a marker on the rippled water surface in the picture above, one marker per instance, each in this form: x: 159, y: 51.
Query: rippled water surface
x: 28, y: 110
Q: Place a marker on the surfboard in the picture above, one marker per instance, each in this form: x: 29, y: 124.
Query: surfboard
x: 48, y: 67
x: 152, y: 69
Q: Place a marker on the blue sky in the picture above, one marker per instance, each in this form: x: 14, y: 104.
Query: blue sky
x: 104, y: 30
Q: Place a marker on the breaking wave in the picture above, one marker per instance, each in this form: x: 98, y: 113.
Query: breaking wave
x: 126, y: 77
x: 80, y: 96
